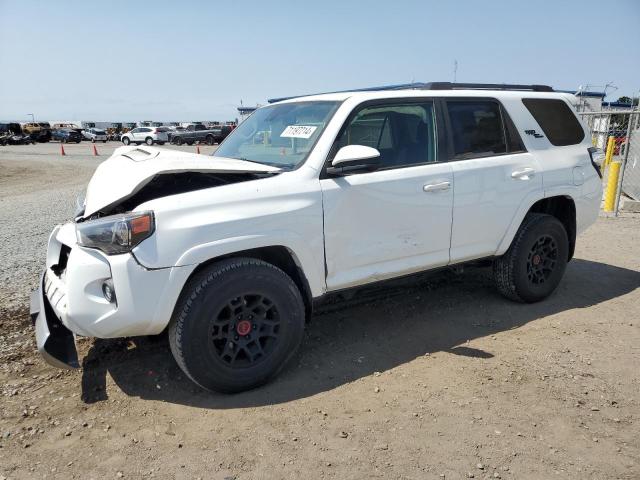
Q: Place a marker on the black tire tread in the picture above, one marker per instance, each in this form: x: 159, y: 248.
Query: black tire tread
x: 193, y: 289
x: 503, y: 267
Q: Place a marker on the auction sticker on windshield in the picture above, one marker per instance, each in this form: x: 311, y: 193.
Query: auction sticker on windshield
x: 298, y: 131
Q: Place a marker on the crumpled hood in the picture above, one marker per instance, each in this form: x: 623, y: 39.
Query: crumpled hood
x: 131, y: 168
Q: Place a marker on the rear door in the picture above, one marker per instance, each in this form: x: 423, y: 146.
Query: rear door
x: 493, y: 175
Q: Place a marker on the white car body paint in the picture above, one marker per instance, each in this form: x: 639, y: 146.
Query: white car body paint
x: 341, y: 232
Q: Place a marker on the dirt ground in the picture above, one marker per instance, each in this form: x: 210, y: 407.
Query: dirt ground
x: 435, y: 377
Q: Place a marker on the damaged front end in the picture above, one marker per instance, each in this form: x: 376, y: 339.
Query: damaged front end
x: 134, y: 175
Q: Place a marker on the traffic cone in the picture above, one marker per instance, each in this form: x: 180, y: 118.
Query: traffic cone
x: 95, y: 151
x: 62, y: 150
x: 197, y: 148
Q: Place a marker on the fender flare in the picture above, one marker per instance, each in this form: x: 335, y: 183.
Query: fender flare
x: 524, y: 208
x: 294, y: 243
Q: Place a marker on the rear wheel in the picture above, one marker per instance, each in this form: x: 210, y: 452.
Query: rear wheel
x: 179, y: 141
x: 189, y: 142
x: 126, y: 140
x: 536, y: 260
x: 236, y: 325
x: 210, y: 140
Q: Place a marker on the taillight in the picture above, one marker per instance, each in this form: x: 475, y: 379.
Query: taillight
x: 597, y: 159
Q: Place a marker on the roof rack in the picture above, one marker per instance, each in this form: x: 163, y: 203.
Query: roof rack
x: 432, y: 86
x: 485, y: 86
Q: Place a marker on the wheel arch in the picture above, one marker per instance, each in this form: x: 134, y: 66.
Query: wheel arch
x: 278, y: 255
x: 560, y: 206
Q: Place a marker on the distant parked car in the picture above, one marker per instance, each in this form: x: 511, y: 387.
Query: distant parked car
x: 201, y: 133
x: 66, y: 135
x: 12, y: 134
x: 95, y: 135
x: 148, y: 135
x: 39, y: 132
x: 45, y: 131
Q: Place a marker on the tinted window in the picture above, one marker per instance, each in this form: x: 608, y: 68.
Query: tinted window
x: 556, y: 119
x: 403, y: 134
x: 476, y: 128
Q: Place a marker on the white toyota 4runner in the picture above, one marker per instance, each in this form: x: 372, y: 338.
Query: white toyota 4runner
x: 313, y: 195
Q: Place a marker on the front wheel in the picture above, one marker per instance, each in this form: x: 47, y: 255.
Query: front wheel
x: 236, y: 325
x: 536, y: 260
x: 126, y: 140
x: 149, y: 141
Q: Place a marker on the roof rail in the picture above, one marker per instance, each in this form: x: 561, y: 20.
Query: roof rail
x: 400, y: 86
x: 485, y: 86
x: 432, y: 86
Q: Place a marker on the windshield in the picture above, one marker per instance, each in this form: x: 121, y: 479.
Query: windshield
x: 279, y: 135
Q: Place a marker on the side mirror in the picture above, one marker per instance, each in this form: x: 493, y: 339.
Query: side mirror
x: 354, y: 158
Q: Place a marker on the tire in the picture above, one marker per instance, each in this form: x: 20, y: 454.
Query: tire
x: 148, y: 141
x: 210, y: 140
x: 189, y: 142
x: 532, y: 267
x: 179, y: 141
x: 93, y: 140
x: 77, y: 141
x: 160, y: 143
x: 203, y: 330
x: 64, y: 140
x: 126, y: 140
x: 104, y: 141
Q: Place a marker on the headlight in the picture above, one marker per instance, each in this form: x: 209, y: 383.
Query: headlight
x: 116, y: 233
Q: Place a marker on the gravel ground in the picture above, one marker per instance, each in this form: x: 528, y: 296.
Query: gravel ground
x: 436, y: 377
x: 38, y: 190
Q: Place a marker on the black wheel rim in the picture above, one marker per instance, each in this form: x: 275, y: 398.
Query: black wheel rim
x: 245, y: 331
x: 542, y: 260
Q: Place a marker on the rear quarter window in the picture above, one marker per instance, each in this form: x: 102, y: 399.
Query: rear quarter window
x: 556, y: 119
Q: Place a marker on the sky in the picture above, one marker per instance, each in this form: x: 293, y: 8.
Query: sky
x: 197, y: 60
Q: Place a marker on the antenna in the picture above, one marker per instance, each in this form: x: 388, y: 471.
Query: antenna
x: 455, y: 70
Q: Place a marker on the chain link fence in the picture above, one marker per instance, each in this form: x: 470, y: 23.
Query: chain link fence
x: 620, y: 131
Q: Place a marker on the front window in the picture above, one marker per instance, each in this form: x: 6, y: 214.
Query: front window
x: 279, y: 135
x: 404, y: 134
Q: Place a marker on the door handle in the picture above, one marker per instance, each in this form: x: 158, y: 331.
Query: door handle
x: 436, y: 187
x: 523, y: 174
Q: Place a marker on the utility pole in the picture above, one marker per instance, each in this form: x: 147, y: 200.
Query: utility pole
x: 33, y: 119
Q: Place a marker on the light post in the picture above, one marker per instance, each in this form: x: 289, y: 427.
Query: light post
x: 33, y: 119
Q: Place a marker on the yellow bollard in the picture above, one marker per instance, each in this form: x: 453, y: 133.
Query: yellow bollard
x: 612, y: 186
x: 609, y: 154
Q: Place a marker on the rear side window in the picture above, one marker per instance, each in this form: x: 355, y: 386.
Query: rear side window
x: 556, y: 119
x: 476, y: 128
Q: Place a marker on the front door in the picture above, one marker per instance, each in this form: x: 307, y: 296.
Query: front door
x: 397, y: 219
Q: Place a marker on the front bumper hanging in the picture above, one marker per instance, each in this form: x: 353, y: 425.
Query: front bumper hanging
x: 55, y: 342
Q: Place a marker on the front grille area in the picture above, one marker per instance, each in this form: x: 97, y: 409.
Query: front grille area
x: 61, y: 266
